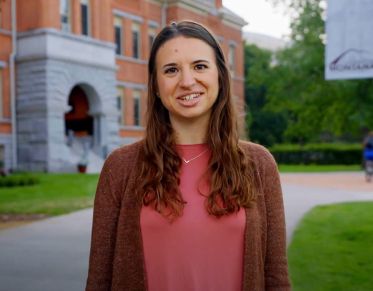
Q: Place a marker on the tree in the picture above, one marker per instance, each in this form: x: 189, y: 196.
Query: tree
x: 264, y: 126
x: 316, y: 109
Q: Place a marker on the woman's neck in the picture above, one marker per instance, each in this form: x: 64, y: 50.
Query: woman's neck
x: 189, y: 132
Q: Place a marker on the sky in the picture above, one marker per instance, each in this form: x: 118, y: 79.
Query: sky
x: 262, y: 16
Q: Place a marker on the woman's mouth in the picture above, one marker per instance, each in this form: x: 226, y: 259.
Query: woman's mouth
x: 190, y: 96
x: 190, y: 99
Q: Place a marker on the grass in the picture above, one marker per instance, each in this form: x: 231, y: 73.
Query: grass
x: 55, y: 194
x: 62, y: 193
x: 318, y: 168
x: 332, y: 249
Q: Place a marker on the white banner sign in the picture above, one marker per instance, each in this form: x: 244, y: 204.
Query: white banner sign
x: 349, y: 34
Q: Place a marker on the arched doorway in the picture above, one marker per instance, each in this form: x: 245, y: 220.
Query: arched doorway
x: 78, y: 122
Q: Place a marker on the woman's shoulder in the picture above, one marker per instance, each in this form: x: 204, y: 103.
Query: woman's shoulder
x: 128, y: 149
x: 259, y: 154
x: 125, y: 155
x: 255, y: 150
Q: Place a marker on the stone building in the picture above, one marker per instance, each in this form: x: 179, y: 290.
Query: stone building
x: 73, y: 74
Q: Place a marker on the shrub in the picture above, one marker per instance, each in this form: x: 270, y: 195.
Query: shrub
x: 17, y: 180
x: 318, y: 154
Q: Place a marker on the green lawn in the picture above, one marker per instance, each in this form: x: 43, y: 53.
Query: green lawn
x: 332, y: 249
x: 318, y: 168
x: 55, y: 194
x: 63, y: 193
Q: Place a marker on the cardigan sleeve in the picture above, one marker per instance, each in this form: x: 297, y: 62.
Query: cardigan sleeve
x: 276, y: 266
x: 105, y: 216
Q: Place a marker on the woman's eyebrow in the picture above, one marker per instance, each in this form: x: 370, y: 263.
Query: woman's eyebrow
x: 193, y: 63
x: 169, y: 65
x: 201, y: 61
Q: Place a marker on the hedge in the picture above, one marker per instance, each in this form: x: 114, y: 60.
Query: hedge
x: 18, y: 180
x: 318, y: 154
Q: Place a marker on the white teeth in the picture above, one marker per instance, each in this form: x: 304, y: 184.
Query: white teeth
x: 190, y: 97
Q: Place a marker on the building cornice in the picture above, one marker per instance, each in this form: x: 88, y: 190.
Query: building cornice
x: 195, y: 5
x: 131, y: 59
x: 127, y: 15
x: 156, y: 2
x: 208, y: 8
x: 132, y: 85
x: 52, y: 31
x: 54, y: 44
x: 231, y: 18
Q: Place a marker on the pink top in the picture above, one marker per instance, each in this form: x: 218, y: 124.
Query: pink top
x: 197, y: 251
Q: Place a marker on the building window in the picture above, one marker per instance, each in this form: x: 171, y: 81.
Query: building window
x: 231, y: 57
x: 118, y: 35
x: 85, y: 16
x: 121, y: 105
x: 136, y: 40
x: 136, y: 107
x: 152, y: 34
x: 65, y: 12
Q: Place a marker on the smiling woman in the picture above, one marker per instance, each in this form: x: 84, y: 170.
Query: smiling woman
x: 191, y: 207
x: 188, y: 85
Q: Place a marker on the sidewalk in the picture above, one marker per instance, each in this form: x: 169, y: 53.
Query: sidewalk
x: 345, y: 181
x: 48, y: 255
x: 52, y: 255
x: 302, y: 192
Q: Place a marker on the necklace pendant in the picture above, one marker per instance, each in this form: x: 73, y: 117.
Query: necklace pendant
x: 192, y: 159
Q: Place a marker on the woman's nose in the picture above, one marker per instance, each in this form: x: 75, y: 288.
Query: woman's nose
x: 187, y: 79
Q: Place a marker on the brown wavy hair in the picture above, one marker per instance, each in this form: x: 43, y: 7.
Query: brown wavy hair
x: 230, y: 171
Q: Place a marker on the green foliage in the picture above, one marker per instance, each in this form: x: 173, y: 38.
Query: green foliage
x: 55, y: 194
x: 317, y: 168
x: 319, y: 154
x: 18, y: 180
x: 316, y: 109
x: 264, y: 126
x: 331, y: 249
x: 317, y: 146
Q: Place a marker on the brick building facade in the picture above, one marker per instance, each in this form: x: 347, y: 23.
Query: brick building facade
x: 73, y: 74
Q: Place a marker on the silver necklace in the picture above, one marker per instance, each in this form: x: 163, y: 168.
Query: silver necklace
x: 192, y: 159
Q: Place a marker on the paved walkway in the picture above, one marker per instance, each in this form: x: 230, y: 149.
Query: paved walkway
x: 52, y: 255
x: 302, y: 192
x: 48, y: 255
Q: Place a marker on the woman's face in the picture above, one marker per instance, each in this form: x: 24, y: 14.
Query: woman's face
x: 187, y: 78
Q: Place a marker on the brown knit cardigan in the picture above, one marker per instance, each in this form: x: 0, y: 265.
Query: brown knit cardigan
x: 117, y: 260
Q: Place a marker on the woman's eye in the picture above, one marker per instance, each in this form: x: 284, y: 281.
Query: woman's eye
x: 200, y: 67
x: 171, y: 70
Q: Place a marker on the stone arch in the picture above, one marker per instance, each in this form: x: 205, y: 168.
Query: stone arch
x: 78, y: 121
x: 43, y: 103
x: 95, y: 104
x: 83, y: 116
